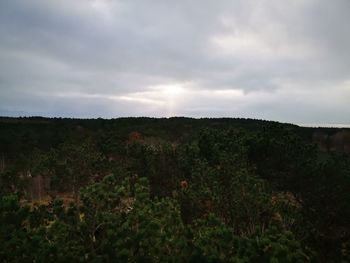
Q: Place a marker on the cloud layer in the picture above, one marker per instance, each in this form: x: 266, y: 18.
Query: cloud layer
x: 245, y: 58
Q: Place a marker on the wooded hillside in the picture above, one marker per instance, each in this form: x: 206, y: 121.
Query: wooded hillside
x: 173, y: 190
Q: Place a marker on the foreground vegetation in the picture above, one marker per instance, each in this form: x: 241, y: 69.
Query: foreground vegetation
x: 170, y: 190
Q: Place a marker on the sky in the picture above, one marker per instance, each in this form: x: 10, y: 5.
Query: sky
x: 277, y: 60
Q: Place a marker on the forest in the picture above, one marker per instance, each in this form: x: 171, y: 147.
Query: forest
x: 173, y: 190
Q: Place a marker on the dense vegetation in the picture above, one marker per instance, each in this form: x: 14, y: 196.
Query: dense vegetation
x: 171, y: 190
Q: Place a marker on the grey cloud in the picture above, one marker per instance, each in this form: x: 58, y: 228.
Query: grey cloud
x: 124, y: 48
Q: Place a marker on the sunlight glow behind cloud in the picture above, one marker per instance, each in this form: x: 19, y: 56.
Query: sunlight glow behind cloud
x: 242, y: 58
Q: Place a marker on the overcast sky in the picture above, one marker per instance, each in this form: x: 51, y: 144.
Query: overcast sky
x: 268, y: 59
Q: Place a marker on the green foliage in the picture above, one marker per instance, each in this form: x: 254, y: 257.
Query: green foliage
x: 74, y: 165
x: 119, y: 221
x: 177, y: 190
x: 123, y: 222
x: 214, y: 241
